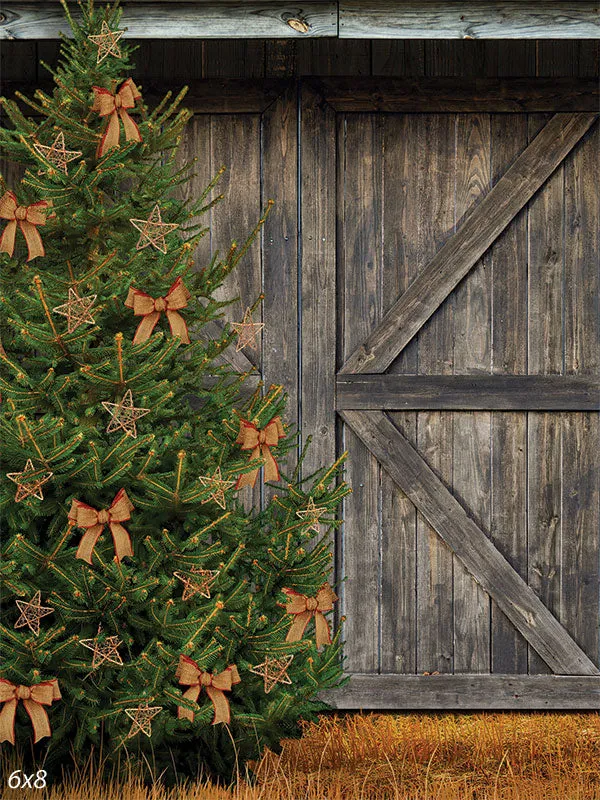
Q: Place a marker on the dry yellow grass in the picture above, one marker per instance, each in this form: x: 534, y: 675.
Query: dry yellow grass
x: 403, y: 757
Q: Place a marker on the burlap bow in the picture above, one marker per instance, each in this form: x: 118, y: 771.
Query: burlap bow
x: 151, y: 308
x: 27, y: 218
x: 34, y: 699
x: 93, y: 521
x: 189, y: 674
x: 115, y: 106
x: 304, y: 608
x: 260, y: 442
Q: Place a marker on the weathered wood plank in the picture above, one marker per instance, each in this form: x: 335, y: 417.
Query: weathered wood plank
x: 398, y: 515
x: 280, y: 255
x: 187, y: 20
x: 503, y: 19
x: 471, y: 429
x: 489, y: 568
x: 433, y: 204
x: 397, y: 57
x: 446, y: 94
x: 475, y: 392
x: 508, y: 530
x: 359, y: 254
x: 581, y: 432
x: 545, y: 356
x: 467, y: 692
x: 479, y: 230
x: 333, y: 57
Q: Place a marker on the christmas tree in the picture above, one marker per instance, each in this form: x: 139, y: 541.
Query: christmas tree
x: 146, y: 612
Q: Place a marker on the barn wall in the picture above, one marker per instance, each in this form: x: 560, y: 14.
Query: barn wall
x: 189, y: 59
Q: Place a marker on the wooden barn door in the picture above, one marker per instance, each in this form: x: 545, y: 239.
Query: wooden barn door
x: 461, y: 300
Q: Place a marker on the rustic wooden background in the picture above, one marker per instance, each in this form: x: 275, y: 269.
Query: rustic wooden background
x: 375, y: 195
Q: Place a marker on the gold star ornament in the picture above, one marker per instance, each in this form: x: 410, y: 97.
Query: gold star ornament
x: 153, y: 230
x: 273, y: 671
x: 103, y: 650
x: 32, y: 612
x: 77, y: 310
x: 106, y: 41
x: 142, y: 717
x: 124, y: 415
x: 311, y: 515
x: 29, y: 482
x: 199, y: 582
x: 218, y: 487
x: 247, y: 331
x: 56, y: 153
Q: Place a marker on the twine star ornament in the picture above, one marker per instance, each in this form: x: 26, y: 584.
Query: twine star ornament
x: 142, y: 717
x: 103, y: 650
x: 56, y: 153
x: 197, y: 585
x: 273, y: 671
x: 29, y: 481
x: 32, y: 612
x: 153, y: 230
x: 218, y: 486
x: 124, y: 415
x: 106, y: 42
x: 311, y: 515
x: 247, y: 331
x: 77, y: 310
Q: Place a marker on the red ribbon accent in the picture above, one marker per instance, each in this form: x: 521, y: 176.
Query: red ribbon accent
x: 303, y: 608
x: 26, y: 218
x: 151, y: 308
x: 189, y: 674
x: 34, y: 698
x: 260, y: 442
x: 93, y: 521
x: 115, y: 106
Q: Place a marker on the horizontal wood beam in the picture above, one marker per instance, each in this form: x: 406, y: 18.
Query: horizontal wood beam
x: 466, y: 692
x: 464, y: 537
x: 174, y: 20
x: 206, y: 96
x: 429, y: 95
x: 468, y: 392
x: 461, y: 19
x: 482, y: 226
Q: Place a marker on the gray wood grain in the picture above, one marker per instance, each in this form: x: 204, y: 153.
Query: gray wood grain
x: 433, y: 19
x: 474, y: 392
x: 205, y: 20
x: 433, y: 224
x: 489, y: 568
x: 479, y: 230
x: 508, y: 529
x: 359, y: 258
x: 450, y: 93
x: 545, y: 356
x: 467, y: 692
x: 398, y: 612
x: 279, y: 172
x: 581, y: 432
x: 471, y: 445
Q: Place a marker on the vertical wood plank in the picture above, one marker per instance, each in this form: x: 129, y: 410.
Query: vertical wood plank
x: 545, y: 356
x: 398, y: 57
x: 235, y: 143
x: 471, y: 430
x: 434, y: 137
x: 234, y: 58
x: 281, y: 57
x: 318, y: 288
x: 398, y: 514
x: 334, y: 57
x: 508, y: 528
x: 581, y: 432
x: 359, y: 247
x: 280, y: 267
